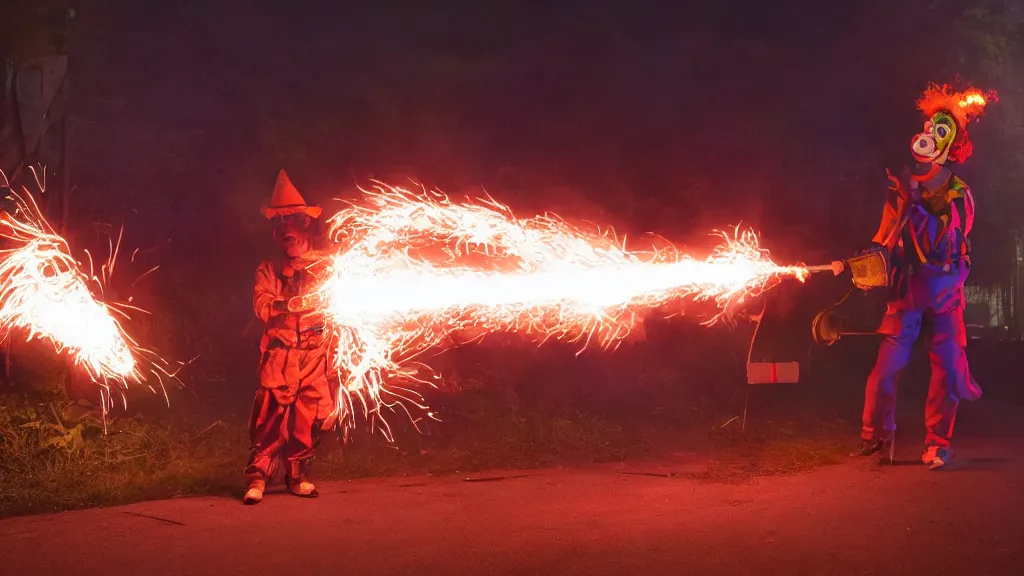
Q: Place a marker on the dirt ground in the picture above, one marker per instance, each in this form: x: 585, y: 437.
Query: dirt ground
x: 855, y: 517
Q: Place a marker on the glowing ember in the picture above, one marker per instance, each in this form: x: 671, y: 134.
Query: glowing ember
x: 413, y: 267
x: 972, y: 99
x: 44, y: 293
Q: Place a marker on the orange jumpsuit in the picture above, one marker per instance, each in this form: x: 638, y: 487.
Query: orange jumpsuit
x: 294, y: 398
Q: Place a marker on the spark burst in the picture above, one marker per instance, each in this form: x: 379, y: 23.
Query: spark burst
x: 45, y: 294
x: 412, y: 268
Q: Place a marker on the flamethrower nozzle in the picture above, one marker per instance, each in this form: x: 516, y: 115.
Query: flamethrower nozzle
x: 835, y: 268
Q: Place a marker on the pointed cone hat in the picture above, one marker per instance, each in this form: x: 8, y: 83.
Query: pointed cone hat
x: 286, y: 200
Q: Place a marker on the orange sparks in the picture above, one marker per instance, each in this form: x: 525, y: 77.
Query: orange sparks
x: 411, y: 268
x: 44, y: 293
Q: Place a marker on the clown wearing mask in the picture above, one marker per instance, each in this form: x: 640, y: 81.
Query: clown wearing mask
x: 294, y: 405
x: 924, y: 231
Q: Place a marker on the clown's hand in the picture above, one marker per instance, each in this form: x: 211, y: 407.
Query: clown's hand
x: 873, y: 249
x: 300, y: 303
x: 837, y: 267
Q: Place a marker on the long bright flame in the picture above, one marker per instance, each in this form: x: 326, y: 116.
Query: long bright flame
x: 45, y: 294
x: 412, y: 268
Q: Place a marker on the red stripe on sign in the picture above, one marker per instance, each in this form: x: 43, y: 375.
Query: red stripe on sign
x: 773, y: 372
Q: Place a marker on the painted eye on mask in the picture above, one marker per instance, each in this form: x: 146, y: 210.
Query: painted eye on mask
x: 923, y: 145
x: 943, y: 129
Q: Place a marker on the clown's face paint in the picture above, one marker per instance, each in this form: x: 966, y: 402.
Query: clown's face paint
x: 933, y: 144
x: 294, y: 232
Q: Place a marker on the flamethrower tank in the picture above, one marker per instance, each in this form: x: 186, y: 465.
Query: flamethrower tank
x: 869, y: 271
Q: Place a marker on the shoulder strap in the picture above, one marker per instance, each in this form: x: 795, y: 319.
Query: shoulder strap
x: 959, y: 204
x: 965, y: 217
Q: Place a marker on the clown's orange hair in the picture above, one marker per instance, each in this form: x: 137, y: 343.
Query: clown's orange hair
x: 965, y: 106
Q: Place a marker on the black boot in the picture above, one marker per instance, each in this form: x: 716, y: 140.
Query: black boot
x: 884, y: 448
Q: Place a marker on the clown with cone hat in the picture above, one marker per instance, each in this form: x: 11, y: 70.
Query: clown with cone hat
x: 294, y: 404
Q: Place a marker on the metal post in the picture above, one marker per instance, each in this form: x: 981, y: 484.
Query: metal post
x: 1015, y: 289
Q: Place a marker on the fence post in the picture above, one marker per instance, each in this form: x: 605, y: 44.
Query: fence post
x: 1015, y: 285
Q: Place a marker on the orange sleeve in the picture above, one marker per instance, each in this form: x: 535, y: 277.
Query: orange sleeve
x: 890, y: 218
x: 267, y: 291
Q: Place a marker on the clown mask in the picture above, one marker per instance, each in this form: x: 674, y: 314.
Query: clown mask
x: 294, y: 232
x: 934, y: 143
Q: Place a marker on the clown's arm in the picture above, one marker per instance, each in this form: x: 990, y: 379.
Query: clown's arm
x: 265, y: 295
x: 889, y: 226
x: 266, y: 299
x: 892, y: 217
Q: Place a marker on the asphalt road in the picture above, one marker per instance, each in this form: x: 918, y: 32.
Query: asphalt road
x: 852, y: 518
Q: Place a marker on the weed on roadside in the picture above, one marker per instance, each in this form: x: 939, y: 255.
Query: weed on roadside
x: 54, y: 455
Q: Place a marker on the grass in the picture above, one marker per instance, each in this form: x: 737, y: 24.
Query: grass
x: 775, y: 450
x: 50, y: 460
x: 48, y: 464
x: 646, y: 403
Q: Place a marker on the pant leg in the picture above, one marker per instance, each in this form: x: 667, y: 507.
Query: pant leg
x: 269, y: 430
x: 901, y: 327
x: 268, y: 435
x: 306, y: 415
x: 951, y: 378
